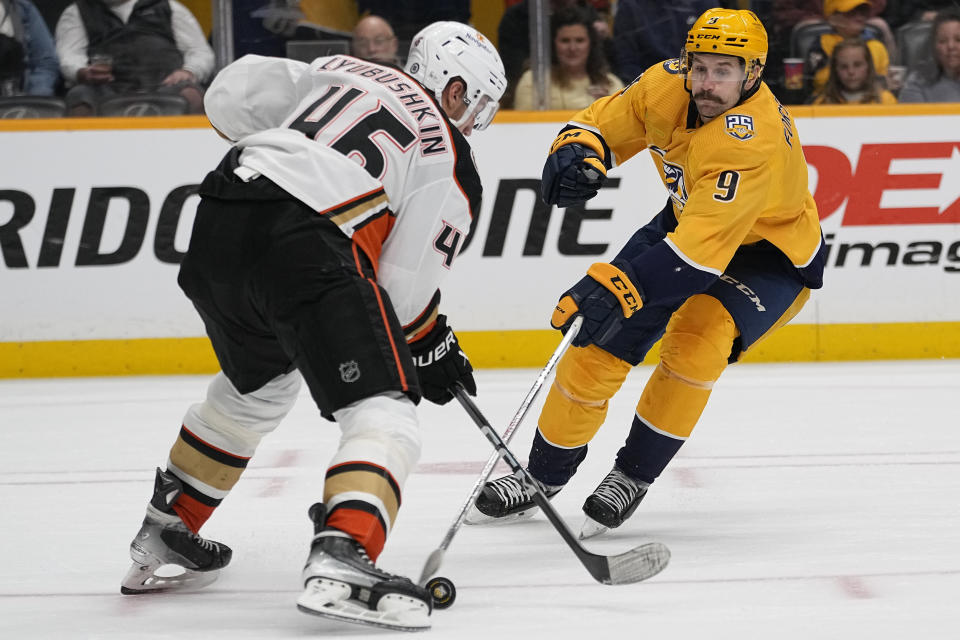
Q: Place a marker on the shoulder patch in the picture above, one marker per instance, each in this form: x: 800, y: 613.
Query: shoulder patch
x: 672, y: 66
x: 739, y: 126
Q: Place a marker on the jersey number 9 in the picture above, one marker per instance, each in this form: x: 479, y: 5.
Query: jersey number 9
x: 727, y: 183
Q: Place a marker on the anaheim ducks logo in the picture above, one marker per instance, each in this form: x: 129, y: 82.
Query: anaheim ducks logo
x: 739, y: 126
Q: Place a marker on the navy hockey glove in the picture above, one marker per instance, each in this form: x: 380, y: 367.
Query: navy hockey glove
x: 441, y: 364
x: 574, y: 170
x: 606, y: 296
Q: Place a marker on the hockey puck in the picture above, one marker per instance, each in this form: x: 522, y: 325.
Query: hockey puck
x: 442, y: 591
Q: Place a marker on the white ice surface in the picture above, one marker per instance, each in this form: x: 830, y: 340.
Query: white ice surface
x: 813, y: 501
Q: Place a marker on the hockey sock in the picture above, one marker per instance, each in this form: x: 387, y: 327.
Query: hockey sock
x: 693, y: 354
x: 208, y: 474
x: 218, y: 438
x: 365, y: 500
x: 576, y: 405
x: 554, y: 465
x: 379, y: 448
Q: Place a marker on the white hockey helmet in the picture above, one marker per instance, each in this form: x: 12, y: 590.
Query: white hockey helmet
x: 443, y: 51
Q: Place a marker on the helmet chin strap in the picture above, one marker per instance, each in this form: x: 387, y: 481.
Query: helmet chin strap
x: 462, y: 120
x: 465, y: 116
x: 745, y: 94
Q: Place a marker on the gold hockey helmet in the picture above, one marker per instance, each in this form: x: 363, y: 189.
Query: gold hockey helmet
x: 731, y: 32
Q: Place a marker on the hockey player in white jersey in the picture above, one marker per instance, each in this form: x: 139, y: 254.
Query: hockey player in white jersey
x: 318, y: 249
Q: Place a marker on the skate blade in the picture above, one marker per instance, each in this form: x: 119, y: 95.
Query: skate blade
x: 328, y: 599
x: 142, y: 579
x: 591, y: 529
x: 475, y: 516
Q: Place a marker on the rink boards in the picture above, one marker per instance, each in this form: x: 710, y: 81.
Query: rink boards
x: 95, y: 216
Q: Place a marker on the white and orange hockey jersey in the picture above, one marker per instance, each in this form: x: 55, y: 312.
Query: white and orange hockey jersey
x: 368, y: 146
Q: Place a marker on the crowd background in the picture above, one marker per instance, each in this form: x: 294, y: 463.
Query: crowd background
x: 155, y: 57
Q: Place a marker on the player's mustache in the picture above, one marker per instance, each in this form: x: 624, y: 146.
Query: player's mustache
x: 709, y: 97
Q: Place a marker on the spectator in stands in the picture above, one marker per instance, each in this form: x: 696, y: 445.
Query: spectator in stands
x: 579, y: 73
x: 514, y: 38
x: 410, y: 16
x: 120, y: 47
x: 780, y: 17
x: 263, y: 27
x: 848, y: 19
x: 900, y: 12
x: 51, y: 10
x: 853, y: 79
x: 373, y: 39
x: 647, y: 32
x: 28, y: 57
x: 938, y: 80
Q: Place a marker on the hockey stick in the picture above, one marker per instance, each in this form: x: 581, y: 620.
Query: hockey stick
x: 435, y: 559
x: 631, y: 566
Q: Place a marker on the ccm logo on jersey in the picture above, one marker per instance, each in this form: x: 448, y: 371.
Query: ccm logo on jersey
x: 740, y: 127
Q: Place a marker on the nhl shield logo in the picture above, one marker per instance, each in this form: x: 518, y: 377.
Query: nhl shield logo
x: 349, y: 371
x: 739, y: 126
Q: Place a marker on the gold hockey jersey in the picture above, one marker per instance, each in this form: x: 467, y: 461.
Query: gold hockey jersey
x: 738, y: 179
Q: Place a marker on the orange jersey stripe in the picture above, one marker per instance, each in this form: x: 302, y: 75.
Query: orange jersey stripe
x: 370, y: 238
x: 386, y: 322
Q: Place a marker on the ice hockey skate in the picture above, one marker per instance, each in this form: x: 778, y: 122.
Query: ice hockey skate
x: 613, y: 501
x: 507, y: 499
x: 166, y: 555
x: 341, y: 582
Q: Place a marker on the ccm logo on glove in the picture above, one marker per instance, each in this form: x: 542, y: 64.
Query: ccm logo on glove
x: 619, y: 284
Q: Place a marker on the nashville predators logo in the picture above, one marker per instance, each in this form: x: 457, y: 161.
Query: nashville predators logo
x: 672, y: 66
x: 739, y: 127
x: 673, y: 179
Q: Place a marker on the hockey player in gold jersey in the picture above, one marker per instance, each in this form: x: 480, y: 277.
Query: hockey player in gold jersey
x: 731, y: 258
